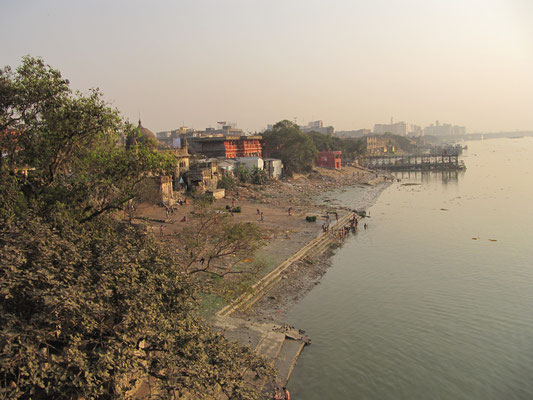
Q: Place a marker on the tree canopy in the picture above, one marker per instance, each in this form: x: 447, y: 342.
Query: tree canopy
x: 90, y: 306
x: 70, y: 142
x: 214, y: 244
x: 295, y: 149
x: 350, y: 147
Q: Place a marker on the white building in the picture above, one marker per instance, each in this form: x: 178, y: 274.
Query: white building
x: 318, y: 126
x: 438, y: 129
x: 251, y: 162
x: 398, y: 128
x: 273, y: 167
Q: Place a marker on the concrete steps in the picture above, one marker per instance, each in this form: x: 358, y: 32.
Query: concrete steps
x: 270, y: 347
x: 286, y: 360
x: 280, y: 344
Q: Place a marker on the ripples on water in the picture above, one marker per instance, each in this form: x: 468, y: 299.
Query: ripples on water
x: 413, y: 307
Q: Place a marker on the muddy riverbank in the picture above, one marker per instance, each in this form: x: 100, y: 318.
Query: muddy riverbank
x: 303, y: 275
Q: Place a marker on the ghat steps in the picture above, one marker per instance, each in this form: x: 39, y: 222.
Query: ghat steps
x: 281, y: 344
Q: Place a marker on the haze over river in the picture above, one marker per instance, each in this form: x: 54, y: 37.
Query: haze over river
x: 435, y: 299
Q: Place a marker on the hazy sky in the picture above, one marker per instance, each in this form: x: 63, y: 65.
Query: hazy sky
x: 349, y: 63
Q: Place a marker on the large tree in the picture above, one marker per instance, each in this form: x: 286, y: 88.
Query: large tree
x: 91, y: 307
x: 351, y: 147
x: 71, y: 143
x: 296, y: 150
x: 213, y: 244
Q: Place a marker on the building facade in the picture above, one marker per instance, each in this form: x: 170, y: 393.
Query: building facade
x: 329, y: 159
x: 398, y: 128
x: 227, y: 147
x: 273, y: 167
x: 438, y: 129
x: 376, y: 145
x: 318, y: 126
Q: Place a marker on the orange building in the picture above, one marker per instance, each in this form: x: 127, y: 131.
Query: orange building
x: 227, y: 146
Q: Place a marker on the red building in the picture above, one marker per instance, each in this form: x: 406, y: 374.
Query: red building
x: 227, y: 146
x: 329, y: 159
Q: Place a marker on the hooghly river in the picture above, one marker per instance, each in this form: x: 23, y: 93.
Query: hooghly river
x: 435, y: 299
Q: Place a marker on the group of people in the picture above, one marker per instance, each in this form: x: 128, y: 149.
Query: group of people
x: 341, y: 233
x: 282, y: 394
x: 170, y: 210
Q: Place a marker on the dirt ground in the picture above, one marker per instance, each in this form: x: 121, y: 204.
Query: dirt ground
x: 272, y: 199
x: 284, y: 234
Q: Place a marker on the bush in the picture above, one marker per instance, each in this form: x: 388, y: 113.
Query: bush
x: 311, y: 218
x: 205, y: 198
x: 258, y: 176
x: 91, y: 307
x: 227, y: 182
x: 243, y: 174
x: 236, y: 209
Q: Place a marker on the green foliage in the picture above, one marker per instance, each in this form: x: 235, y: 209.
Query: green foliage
x: 71, y: 141
x: 310, y: 218
x: 11, y: 198
x: 214, y: 244
x: 258, y: 176
x: 402, y: 143
x: 87, y: 308
x: 243, y: 174
x: 227, y: 182
x: 204, y: 200
x: 295, y: 149
x: 90, y: 308
x: 351, y: 147
x: 237, y: 209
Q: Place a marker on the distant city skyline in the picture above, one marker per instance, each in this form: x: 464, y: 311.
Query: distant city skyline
x: 351, y: 64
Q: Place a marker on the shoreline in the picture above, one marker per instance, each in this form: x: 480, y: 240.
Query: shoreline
x: 264, y: 325
x: 284, y: 235
x: 296, y: 256
x: 301, y: 276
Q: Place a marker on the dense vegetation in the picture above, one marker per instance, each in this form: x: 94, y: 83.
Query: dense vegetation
x: 91, y: 307
x: 295, y: 149
x: 298, y: 150
x: 402, y: 143
x: 351, y: 147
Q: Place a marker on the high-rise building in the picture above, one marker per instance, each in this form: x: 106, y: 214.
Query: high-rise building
x: 398, y: 128
x: 438, y: 129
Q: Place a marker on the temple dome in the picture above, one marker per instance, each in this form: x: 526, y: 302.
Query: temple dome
x: 145, y: 132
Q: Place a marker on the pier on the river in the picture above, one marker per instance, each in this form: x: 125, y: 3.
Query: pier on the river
x: 427, y: 162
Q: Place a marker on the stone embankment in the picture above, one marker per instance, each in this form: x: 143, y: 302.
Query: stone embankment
x: 279, y: 343
x: 263, y: 286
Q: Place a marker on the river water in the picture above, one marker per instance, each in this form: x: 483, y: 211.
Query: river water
x: 435, y: 299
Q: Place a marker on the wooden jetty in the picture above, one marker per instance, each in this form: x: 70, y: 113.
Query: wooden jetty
x: 426, y: 162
